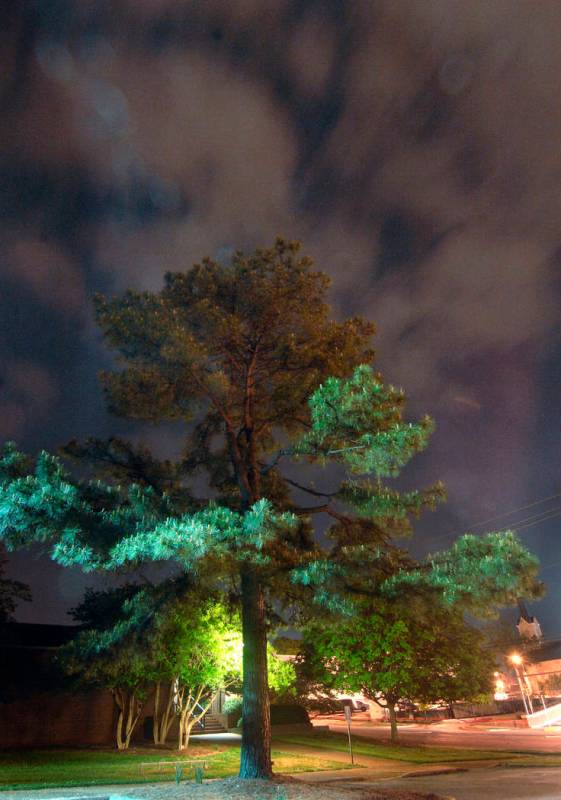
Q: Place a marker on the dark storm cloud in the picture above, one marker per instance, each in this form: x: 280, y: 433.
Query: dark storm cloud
x: 413, y: 147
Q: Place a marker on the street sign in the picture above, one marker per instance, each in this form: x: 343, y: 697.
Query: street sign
x: 348, y: 713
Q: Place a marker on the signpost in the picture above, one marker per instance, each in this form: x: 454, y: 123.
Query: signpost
x: 348, y: 714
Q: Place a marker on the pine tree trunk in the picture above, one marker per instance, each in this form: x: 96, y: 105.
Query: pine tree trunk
x: 393, y: 724
x: 255, y: 758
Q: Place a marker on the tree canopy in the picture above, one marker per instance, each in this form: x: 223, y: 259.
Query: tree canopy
x: 138, y: 640
x: 421, y: 650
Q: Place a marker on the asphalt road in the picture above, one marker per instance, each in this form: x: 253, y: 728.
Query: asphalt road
x: 485, y: 784
x: 455, y: 733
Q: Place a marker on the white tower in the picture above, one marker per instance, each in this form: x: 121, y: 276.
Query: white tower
x: 528, y: 626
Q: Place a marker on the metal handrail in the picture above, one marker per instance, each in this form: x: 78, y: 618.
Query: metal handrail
x: 201, y: 721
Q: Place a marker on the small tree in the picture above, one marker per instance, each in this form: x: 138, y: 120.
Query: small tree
x: 122, y: 670
x: 142, y: 640
x: 104, y: 653
x: 396, y: 651
x: 198, y: 649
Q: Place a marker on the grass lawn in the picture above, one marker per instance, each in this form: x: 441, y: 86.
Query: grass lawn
x: 415, y: 754
x: 41, y: 769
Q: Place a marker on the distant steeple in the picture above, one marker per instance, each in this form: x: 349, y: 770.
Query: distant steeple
x: 528, y: 626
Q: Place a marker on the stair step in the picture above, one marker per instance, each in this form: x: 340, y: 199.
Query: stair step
x: 211, y: 725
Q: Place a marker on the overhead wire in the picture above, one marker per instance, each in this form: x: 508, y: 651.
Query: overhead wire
x: 537, y: 519
x: 517, y: 525
x: 516, y: 510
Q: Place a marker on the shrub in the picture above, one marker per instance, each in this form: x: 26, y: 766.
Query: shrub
x: 233, y: 705
x: 288, y: 714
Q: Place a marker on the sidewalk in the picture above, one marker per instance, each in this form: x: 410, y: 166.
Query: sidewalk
x: 368, y: 768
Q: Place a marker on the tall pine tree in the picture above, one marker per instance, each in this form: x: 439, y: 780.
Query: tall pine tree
x: 247, y: 357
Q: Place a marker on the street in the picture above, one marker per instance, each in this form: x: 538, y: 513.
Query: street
x: 485, y: 784
x: 457, y: 733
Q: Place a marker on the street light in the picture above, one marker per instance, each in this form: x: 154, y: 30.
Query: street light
x: 517, y: 661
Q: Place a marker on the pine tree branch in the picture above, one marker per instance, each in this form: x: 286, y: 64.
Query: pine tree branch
x: 280, y: 454
x: 304, y: 510
x: 308, y: 489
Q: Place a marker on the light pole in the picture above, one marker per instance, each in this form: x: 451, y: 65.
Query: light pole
x: 516, y: 661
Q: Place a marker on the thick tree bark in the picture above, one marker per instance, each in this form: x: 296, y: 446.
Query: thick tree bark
x: 255, y: 759
x: 393, y: 724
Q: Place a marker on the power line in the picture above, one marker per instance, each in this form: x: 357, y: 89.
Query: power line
x: 540, y: 518
x: 499, y: 516
x: 550, y: 566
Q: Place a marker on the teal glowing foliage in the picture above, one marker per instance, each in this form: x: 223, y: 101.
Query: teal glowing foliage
x: 480, y: 573
x: 376, y: 501
x: 100, y: 526
x: 358, y: 422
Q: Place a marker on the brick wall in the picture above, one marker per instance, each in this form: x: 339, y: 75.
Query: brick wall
x: 54, y: 718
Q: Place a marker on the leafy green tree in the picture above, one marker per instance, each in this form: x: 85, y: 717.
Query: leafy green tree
x: 281, y: 677
x: 399, y: 651
x: 105, y: 655
x: 11, y: 592
x: 123, y: 670
x: 138, y: 642
x: 198, y: 651
x: 246, y: 358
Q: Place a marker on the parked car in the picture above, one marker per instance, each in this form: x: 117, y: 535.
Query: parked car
x: 355, y: 705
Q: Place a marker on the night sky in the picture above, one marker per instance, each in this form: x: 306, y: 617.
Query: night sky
x: 414, y: 146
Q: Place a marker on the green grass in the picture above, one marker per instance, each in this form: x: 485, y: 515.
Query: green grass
x: 49, y: 769
x: 414, y: 754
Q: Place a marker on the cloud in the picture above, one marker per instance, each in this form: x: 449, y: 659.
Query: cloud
x: 27, y: 392
x: 413, y: 147
x: 52, y: 277
x: 219, y: 137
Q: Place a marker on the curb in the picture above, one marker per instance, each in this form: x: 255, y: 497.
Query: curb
x: 445, y: 771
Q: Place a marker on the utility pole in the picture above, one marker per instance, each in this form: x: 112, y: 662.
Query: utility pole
x: 516, y: 661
